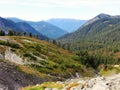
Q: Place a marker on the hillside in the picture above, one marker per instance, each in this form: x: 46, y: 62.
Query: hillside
x: 98, y: 38
x: 11, y: 78
x: 69, y: 25
x: 29, y: 29
x: 102, y: 28
x: 34, y: 61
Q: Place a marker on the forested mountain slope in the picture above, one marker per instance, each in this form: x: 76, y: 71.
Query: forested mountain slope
x: 99, y: 38
x: 99, y: 25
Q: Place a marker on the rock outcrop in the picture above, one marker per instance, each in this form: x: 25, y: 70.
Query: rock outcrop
x: 98, y: 83
x: 1, y: 56
x: 13, y: 57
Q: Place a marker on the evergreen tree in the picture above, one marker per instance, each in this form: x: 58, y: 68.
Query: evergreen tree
x: 2, y: 33
x: 59, y: 44
x: 10, y: 33
x: 55, y: 42
x: 24, y: 33
x: 30, y: 34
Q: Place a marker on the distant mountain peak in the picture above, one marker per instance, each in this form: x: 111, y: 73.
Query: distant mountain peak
x: 102, y: 15
x: 15, y: 19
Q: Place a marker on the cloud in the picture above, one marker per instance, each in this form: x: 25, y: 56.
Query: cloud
x: 60, y: 3
x: 8, y: 1
x: 58, y: 8
x: 74, y: 3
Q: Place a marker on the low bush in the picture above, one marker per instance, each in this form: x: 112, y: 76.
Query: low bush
x: 10, y: 44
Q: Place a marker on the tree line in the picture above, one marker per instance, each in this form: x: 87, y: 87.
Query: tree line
x: 14, y: 33
x: 96, y: 60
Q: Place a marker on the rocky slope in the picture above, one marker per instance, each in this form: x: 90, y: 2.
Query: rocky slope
x: 97, y: 83
x: 11, y: 78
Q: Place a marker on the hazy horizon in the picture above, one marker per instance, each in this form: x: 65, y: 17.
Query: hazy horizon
x: 46, y: 19
x: 38, y: 10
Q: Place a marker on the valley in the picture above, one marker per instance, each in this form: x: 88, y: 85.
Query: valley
x: 50, y: 58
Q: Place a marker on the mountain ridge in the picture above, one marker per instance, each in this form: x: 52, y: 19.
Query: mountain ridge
x: 100, y: 21
x: 48, y: 29
x: 44, y: 27
x: 6, y: 25
x: 101, y: 16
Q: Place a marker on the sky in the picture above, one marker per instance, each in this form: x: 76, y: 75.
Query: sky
x: 36, y: 10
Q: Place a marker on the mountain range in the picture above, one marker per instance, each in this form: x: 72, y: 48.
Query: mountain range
x: 6, y: 25
x: 54, y: 28
x: 69, y: 25
x: 94, y: 50
x: 45, y: 28
x: 48, y: 29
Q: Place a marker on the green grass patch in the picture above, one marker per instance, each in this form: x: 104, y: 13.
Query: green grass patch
x: 109, y: 72
x: 45, y: 85
x: 10, y: 44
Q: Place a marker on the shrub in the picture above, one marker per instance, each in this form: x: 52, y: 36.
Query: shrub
x: 30, y: 56
x: 6, y: 43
